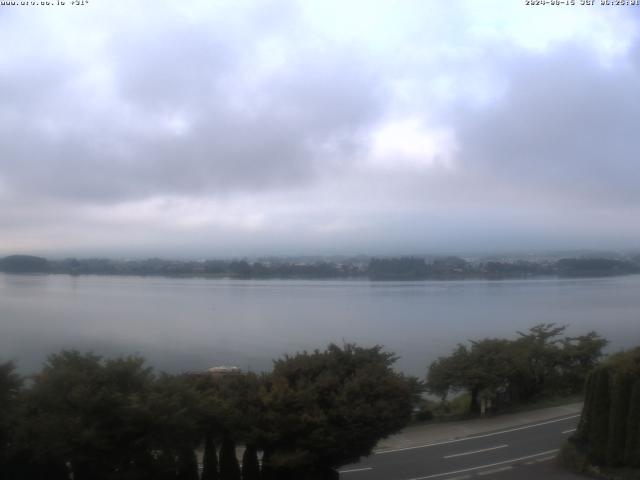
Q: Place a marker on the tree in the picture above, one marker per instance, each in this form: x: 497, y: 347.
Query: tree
x: 538, y: 358
x: 600, y: 411
x: 579, y: 356
x: 444, y: 375
x: 632, y: 444
x: 489, y: 369
x: 397, y: 268
x: 10, y: 384
x: 24, y: 264
x: 229, y: 467
x: 235, y: 416
x: 250, y: 464
x: 177, y: 414
x: 621, y: 386
x: 98, y: 404
x: 328, y: 408
x: 609, y: 429
x: 539, y: 363
x: 210, y: 459
x: 187, y: 465
x: 484, y: 368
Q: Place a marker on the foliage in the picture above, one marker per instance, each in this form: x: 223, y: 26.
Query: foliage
x: 398, y: 268
x: 210, y: 460
x: 621, y: 385
x: 539, y: 363
x: 229, y: 467
x: 595, y: 267
x: 187, y: 465
x: 632, y: 443
x: 329, y: 408
x: 24, y: 264
x: 609, y: 428
x: 250, y: 464
x: 10, y: 384
x: 121, y: 421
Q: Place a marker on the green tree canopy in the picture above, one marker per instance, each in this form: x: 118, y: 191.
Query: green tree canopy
x: 540, y: 362
x: 328, y: 408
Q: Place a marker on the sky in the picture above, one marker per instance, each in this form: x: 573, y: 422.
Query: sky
x: 227, y: 128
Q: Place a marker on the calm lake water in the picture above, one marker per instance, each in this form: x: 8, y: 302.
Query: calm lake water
x: 196, y: 323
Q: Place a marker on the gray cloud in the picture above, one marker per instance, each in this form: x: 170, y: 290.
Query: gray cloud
x: 565, y: 128
x: 179, y: 113
x: 166, y: 124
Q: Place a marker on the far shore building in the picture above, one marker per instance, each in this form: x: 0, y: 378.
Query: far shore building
x: 224, y: 371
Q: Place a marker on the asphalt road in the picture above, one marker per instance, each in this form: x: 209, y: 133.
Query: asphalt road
x: 523, y: 452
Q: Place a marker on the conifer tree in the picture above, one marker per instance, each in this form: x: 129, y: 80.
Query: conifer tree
x: 229, y: 467
x: 620, y: 396
x: 187, y: 465
x: 250, y: 465
x: 599, y: 417
x: 582, y: 432
x: 210, y: 460
x: 632, y: 444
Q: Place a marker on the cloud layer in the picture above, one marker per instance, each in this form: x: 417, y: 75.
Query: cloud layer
x: 228, y: 128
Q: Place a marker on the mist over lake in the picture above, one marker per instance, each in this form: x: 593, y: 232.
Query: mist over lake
x: 188, y: 324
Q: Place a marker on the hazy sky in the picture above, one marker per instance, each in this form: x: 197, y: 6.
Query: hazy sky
x: 219, y: 128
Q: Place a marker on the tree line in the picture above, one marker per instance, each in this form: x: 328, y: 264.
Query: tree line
x: 496, y: 372
x: 91, y: 418
x: 392, y: 268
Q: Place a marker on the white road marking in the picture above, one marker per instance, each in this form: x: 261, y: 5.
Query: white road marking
x: 475, y: 451
x: 545, y: 459
x: 570, y: 430
x: 464, y: 470
x: 382, y: 452
x: 495, y: 470
x: 356, y: 470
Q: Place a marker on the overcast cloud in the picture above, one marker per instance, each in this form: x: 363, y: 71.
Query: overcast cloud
x: 199, y: 128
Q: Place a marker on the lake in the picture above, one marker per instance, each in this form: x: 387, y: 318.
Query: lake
x: 188, y: 324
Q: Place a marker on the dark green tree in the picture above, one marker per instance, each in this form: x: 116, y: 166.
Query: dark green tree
x: 538, y: 357
x: 632, y: 446
x: 187, y: 465
x: 621, y: 386
x: 95, y: 403
x: 229, y: 466
x: 210, y: 459
x: 484, y: 368
x: 328, y: 408
x: 10, y: 384
x: 268, y: 470
x: 609, y: 430
x: 250, y: 464
x: 537, y: 364
x: 445, y: 374
x: 599, y: 416
x: 580, y: 355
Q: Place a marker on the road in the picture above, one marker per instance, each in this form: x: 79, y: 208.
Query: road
x: 523, y: 452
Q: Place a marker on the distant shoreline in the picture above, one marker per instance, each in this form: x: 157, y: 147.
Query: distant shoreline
x: 373, y: 269
x: 562, y: 269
